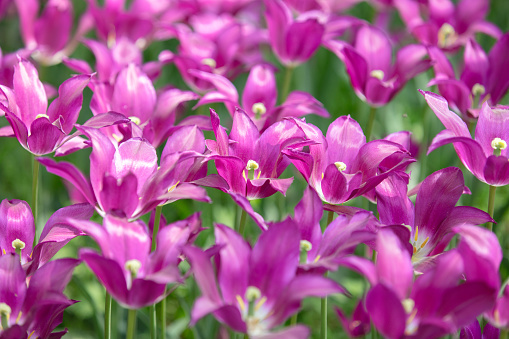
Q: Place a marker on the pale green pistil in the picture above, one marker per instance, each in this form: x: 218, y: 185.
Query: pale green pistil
x: 259, y: 109
x: 498, y: 145
x: 18, y: 245
x: 305, y: 247
x: 5, y: 313
x: 133, y: 266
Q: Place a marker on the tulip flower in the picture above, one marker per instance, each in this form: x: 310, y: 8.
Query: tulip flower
x: 447, y: 25
x: 293, y: 40
x: 257, y: 289
x: 37, y: 309
x: 251, y: 162
x: 485, y: 156
x: 133, y: 275
x: 341, y: 165
x: 17, y: 232
x: 125, y: 179
x: 375, y: 79
x: 259, y: 97
x: 483, y: 78
x: 434, y: 214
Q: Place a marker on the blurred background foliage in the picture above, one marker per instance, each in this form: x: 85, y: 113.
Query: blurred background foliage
x: 325, y: 78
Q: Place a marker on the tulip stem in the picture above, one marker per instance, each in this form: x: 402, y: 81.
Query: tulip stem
x: 503, y: 334
x: 491, y: 205
x: 371, y: 122
x: 35, y: 191
x: 157, y: 220
x: 162, y: 318
x: 323, y: 309
x: 293, y: 319
x: 153, y: 321
x: 131, y: 324
x: 286, y: 83
x: 107, y: 316
x: 242, y: 223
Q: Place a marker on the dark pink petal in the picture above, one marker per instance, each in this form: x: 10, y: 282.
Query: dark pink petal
x: 12, y: 285
x: 233, y: 268
x: 19, y: 128
x: 29, y: 91
x: 361, y: 265
x: 373, y: 44
x: 409, y: 61
x: 106, y: 119
x: 308, y: 214
x: 455, y: 92
x: 472, y: 331
x: 186, y: 191
x: 245, y: 134
x: 108, y: 272
x: 274, y: 260
x: 393, y: 204
x: 359, y: 325
x: 134, y: 94
x: 44, y: 137
x: 300, y: 103
x: 437, y: 196
x: 134, y: 156
x: 68, y: 172
x: 119, y: 196
x: 222, y: 140
x: 393, y: 264
x: 469, y: 151
x: 498, y: 77
x: 144, y: 293
x: 204, y: 275
x: 53, y: 28
x: 70, y: 145
x: 185, y: 138
x: 476, y: 65
x: 344, y: 139
x: 450, y: 120
x: 231, y: 316
x: 302, y: 40
x: 127, y: 240
x: 492, y: 123
x: 496, y: 171
x: 28, y: 11
x: 278, y: 18
x: 334, y: 185
x: 77, y: 65
x: 470, y: 11
x: 260, y: 88
x: 69, y: 101
x: 386, y: 311
x: 16, y: 222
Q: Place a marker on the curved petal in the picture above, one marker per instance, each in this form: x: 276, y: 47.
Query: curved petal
x: 44, y: 137
x: 16, y: 222
x: 344, y: 139
x: 496, y: 171
x: 386, y: 311
x: 29, y: 91
x: 492, y: 123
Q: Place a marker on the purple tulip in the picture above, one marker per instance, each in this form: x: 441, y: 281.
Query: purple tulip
x: 375, y: 79
x: 447, y: 25
x: 293, y: 41
x: 39, y: 129
x: 341, y: 165
x: 434, y: 214
x: 125, y: 179
x: 484, y: 77
x: 251, y: 162
x: 37, y: 309
x: 133, y: 275
x: 258, y: 288
x: 259, y: 97
x: 485, y: 156
x: 17, y: 232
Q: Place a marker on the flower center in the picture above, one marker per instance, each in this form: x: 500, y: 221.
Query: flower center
x: 42, y: 115
x: 259, y: 109
x: 498, y: 145
x: 446, y: 35
x: 133, y: 266
x: 305, y: 247
x: 18, y: 245
x: 136, y: 120
x: 209, y: 62
x: 418, y: 245
x: 377, y: 73
x: 341, y: 166
x: 251, y: 167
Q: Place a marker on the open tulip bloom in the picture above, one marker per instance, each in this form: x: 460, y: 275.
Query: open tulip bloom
x: 257, y: 289
x: 485, y: 156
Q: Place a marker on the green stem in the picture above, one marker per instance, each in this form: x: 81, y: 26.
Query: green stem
x: 162, y: 318
x: 503, y: 334
x: 107, y: 316
x: 371, y: 122
x: 330, y: 217
x: 491, y: 205
x: 131, y: 324
x: 323, y: 309
x: 286, y: 83
x: 153, y: 321
x: 157, y: 220
x: 35, y: 191
x: 242, y: 224
x: 293, y: 319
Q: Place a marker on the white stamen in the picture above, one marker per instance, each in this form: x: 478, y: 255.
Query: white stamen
x: 305, y: 245
x: 253, y: 293
x: 18, y: 244
x: 478, y: 90
x: 133, y: 266
x: 252, y: 165
x: 209, y: 62
x: 259, y: 109
x: 377, y: 73
x: 341, y: 166
x: 498, y: 143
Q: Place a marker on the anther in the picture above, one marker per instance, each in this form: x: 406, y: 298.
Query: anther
x: 377, y: 73
x: 133, y: 266
x: 259, y: 109
x: 251, y: 167
x: 341, y: 166
x: 135, y: 120
x: 18, y: 245
x: 209, y: 62
x: 446, y: 35
x: 498, y: 145
x: 42, y: 115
